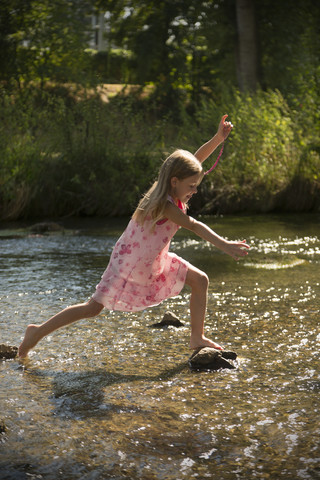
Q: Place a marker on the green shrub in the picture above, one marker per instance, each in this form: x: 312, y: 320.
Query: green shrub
x: 66, y: 152
x: 266, y: 152
x: 81, y: 157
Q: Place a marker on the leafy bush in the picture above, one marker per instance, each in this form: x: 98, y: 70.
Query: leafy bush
x: 66, y: 152
x: 74, y: 157
x: 270, y: 149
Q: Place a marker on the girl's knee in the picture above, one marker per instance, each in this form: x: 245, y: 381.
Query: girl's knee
x: 94, y: 308
x: 203, y: 280
x: 197, y: 279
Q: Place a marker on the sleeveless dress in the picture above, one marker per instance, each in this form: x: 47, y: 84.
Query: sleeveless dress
x: 142, y: 272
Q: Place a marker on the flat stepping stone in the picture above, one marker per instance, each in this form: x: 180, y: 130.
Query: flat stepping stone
x: 208, y: 358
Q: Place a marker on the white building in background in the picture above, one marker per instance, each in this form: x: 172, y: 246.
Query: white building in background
x: 100, y: 24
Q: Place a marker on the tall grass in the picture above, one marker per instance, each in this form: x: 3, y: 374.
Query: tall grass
x: 64, y: 152
x: 272, y: 157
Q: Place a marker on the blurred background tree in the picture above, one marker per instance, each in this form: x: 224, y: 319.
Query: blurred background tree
x: 243, y: 43
x: 172, y: 44
x: 43, y: 40
x: 62, y: 138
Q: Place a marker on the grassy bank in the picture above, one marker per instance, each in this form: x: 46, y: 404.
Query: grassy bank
x: 65, y: 152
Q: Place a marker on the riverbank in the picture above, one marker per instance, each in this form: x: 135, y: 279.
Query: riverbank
x: 66, y: 154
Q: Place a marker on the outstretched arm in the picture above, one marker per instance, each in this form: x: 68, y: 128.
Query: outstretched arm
x: 235, y: 249
x: 207, y: 148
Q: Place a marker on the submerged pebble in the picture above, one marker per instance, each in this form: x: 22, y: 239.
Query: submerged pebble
x: 3, y: 427
x: 7, y: 351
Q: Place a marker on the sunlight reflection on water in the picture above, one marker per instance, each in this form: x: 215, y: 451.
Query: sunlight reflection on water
x: 112, y: 398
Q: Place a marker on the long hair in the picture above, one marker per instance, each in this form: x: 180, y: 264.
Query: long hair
x: 181, y: 164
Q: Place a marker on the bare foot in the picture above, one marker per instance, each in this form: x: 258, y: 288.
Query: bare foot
x: 29, y: 341
x: 203, y: 342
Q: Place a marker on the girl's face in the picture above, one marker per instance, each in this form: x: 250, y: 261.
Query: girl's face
x: 184, y: 189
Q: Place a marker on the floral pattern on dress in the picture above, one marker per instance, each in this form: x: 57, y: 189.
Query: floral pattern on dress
x: 142, y: 272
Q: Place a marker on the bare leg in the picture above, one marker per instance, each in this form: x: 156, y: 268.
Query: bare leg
x: 198, y: 281
x: 34, y: 333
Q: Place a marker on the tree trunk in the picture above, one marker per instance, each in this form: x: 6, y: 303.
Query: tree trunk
x: 247, y: 58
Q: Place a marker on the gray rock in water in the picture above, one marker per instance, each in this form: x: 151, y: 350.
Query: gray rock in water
x: 208, y: 358
x: 169, y: 319
x: 7, y: 351
x: 46, y: 227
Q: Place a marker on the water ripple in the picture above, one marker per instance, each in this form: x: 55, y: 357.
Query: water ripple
x: 112, y: 398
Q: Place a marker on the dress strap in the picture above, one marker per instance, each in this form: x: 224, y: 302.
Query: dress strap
x: 180, y: 204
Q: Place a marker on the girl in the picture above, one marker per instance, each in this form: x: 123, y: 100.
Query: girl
x: 142, y: 272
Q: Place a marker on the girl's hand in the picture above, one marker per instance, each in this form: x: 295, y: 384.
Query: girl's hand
x: 224, y: 128
x: 207, y: 148
x: 236, y: 249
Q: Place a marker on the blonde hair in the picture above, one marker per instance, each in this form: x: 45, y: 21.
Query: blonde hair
x: 180, y: 164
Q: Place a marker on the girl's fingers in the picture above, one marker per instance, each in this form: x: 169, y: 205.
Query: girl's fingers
x: 244, y: 244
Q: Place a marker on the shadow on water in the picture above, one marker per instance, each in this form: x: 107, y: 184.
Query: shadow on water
x: 82, y: 394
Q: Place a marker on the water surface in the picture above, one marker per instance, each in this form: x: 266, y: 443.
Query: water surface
x: 112, y: 398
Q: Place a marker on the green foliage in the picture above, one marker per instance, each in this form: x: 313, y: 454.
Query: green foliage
x: 273, y: 146
x: 42, y: 39
x: 66, y: 152
x: 112, y: 66
x: 194, y: 45
x: 289, y: 43
x: 172, y: 44
x: 70, y: 156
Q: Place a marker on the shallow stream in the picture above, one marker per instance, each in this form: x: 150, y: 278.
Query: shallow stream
x: 111, y: 398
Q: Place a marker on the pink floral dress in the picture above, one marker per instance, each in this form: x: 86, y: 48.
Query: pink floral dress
x: 142, y: 272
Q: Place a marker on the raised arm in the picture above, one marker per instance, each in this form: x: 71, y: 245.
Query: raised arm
x: 234, y: 249
x: 207, y: 148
